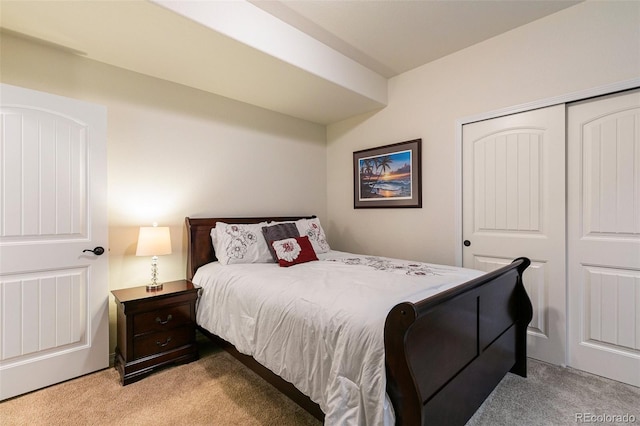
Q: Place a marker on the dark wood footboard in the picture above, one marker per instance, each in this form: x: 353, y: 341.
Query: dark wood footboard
x: 445, y: 354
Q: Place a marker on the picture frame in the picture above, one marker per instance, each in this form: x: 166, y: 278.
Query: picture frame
x: 388, y: 176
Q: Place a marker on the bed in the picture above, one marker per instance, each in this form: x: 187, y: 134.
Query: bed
x: 442, y: 355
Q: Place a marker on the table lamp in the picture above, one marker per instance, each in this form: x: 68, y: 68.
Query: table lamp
x: 154, y: 241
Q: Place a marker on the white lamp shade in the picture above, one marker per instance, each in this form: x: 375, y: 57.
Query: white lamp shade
x: 153, y: 241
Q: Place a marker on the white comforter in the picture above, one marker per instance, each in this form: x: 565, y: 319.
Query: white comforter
x: 319, y: 325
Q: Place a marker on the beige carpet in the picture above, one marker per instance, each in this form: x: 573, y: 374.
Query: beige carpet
x: 219, y: 390
x: 215, y: 390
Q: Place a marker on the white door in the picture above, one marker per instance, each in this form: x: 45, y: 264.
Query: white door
x: 53, y: 296
x: 604, y: 236
x: 514, y: 205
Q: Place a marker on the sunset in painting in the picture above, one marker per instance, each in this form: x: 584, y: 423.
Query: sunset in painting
x: 386, y: 176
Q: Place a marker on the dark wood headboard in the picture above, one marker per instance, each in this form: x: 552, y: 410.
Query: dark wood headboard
x: 199, y: 237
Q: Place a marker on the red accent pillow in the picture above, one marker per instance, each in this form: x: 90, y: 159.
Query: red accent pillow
x: 292, y: 251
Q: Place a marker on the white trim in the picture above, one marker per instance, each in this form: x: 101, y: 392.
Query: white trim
x: 543, y: 103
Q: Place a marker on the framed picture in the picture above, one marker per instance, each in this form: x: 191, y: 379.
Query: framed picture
x: 388, y: 176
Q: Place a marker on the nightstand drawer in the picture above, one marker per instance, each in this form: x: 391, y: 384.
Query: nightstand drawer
x: 163, y: 341
x: 155, y: 328
x: 162, y: 319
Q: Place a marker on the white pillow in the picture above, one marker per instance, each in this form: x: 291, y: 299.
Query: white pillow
x: 214, y: 240
x: 312, y: 229
x: 241, y: 243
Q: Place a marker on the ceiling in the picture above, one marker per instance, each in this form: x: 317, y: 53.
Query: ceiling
x: 322, y: 61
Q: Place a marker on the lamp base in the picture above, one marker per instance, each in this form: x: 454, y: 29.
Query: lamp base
x: 154, y: 287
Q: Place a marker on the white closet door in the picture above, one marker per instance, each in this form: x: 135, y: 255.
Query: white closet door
x: 53, y: 296
x: 514, y: 205
x: 604, y: 236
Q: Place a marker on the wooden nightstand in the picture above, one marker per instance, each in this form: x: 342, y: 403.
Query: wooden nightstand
x: 155, y: 328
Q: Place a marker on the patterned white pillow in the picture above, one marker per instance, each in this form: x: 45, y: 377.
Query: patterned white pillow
x: 312, y: 229
x: 241, y: 243
x: 214, y: 239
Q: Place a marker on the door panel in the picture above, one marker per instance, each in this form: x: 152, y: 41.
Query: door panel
x: 44, y: 187
x: 604, y: 236
x: 514, y: 205
x: 53, y: 296
x: 534, y: 284
x: 46, y: 310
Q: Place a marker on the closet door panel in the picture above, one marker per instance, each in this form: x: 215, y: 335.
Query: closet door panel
x: 514, y: 205
x: 604, y: 236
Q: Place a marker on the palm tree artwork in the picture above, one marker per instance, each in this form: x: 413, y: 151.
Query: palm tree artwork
x: 378, y: 179
x: 382, y: 164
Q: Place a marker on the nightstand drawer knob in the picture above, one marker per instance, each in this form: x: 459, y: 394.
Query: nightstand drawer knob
x: 158, y: 320
x: 162, y: 345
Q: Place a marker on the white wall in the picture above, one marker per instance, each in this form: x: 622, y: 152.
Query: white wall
x: 175, y: 152
x: 585, y: 46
